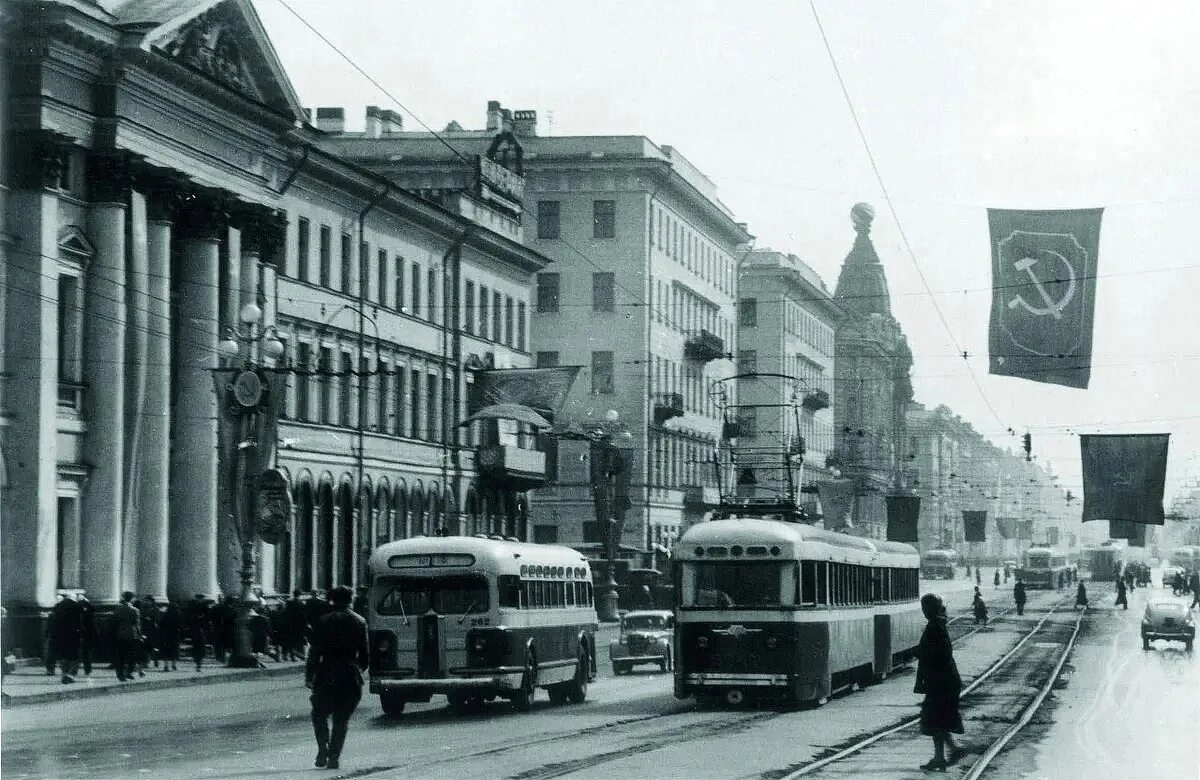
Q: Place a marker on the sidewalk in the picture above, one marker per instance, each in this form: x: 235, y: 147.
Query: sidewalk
x: 31, y: 684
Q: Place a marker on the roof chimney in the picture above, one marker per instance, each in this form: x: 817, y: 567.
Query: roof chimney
x: 391, y: 122
x: 495, y: 116
x: 373, y: 125
x: 331, y: 120
x: 525, y: 123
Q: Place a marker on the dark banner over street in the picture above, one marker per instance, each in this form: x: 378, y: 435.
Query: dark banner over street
x: 903, y: 512
x: 542, y: 389
x: 974, y: 525
x: 1124, y: 476
x: 1006, y: 527
x: 1025, y: 530
x: 1043, y: 294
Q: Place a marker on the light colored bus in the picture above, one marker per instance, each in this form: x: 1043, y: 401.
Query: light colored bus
x: 476, y: 618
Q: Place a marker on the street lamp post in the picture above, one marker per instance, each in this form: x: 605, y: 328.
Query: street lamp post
x: 251, y: 410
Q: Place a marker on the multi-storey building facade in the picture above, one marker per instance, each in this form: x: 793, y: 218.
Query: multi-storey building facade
x: 641, y: 295
x: 159, y: 176
x: 872, y: 389
x: 786, y: 324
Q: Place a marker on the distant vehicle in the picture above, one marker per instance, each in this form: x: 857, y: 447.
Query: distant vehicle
x: 1011, y: 567
x: 1103, y: 562
x: 1168, y: 620
x: 476, y: 618
x: 1186, y: 558
x: 939, y: 564
x: 1041, y: 567
x: 646, y: 638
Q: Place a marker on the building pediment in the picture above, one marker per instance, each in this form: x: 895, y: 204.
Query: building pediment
x: 226, y: 42
x: 74, y: 245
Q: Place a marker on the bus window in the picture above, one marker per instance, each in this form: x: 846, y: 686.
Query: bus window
x: 571, y: 594
x: 822, y: 582
x: 587, y: 586
x: 451, y: 595
x: 560, y: 600
x: 508, y: 588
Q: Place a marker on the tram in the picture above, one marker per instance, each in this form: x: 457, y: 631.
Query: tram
x: 939, y: 564
x: 1103, y: 562
x: 788, y: 611
x: 1041, y: 567
x: 476, y: 618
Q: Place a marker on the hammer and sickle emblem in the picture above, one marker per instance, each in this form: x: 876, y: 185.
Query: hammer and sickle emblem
x: 1053, y: 307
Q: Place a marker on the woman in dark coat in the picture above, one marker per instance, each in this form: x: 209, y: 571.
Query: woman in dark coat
x: 1081, y: 599
x: 1121, y: 601
x: 937, y: 678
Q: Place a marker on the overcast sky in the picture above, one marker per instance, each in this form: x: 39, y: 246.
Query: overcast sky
x: 965, y: 106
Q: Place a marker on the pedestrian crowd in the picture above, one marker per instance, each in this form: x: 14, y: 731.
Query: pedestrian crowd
x: 146, y: 633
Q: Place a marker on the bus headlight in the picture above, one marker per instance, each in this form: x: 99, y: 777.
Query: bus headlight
x: 479, y: 645
x: 383, y: 645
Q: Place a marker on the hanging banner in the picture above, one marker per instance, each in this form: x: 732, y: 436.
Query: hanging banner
x: 903, y: 513
x: 1025, y: 530
x: 974, y: 525
x: 1124, y: 476
x: 1122, y: 529
x: 1043, y: 294
x: 1139, y: 535
x: 1006, y: 527
x: 541, y: 389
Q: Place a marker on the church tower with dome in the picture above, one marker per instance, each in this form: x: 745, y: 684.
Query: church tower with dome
x: 872, y: 390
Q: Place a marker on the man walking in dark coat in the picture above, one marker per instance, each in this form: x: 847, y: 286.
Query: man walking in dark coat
x: 1195, y: 585
x: 938, y: 679
x: 169, y: 632
x: 127, y: 636
x: 87, y: 633
x: 337, y: 656
x: 65, y: 637
x: 1019, y: 596
x: 198, y: 629
x: 294, y: 628
x: 1121, y: 601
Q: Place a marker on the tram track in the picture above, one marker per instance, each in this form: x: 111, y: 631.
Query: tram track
x: 1003, y: 677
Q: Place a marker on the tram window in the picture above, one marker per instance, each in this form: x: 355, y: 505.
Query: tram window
x: 508, y: 586
x: 560, y: 600
x: 808, y: 583
x: 789, y: 586
x: 822, y: 582
x: 588, y: 592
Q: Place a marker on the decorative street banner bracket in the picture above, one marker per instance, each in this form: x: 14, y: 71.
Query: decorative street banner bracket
x: 1043, y: 294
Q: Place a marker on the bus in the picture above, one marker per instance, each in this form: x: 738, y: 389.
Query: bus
x: 479, y: 617
x: 787, y: 611
x: 1103, y: 562
x: 939, y: 564
x: 1041, y: 567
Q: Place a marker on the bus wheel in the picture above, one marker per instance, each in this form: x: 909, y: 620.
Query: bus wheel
x: 577, y: 689
x: 558, y: 693
x: 393, y: 705
x: 522, y: 698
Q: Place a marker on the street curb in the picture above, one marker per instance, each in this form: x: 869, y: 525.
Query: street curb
x: 83, y: 692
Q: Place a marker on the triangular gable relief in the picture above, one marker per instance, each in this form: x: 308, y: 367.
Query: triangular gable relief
x: 228, y: 43
x: 74, y: 245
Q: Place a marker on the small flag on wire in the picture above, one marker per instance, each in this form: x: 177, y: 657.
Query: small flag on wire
x: 1043, y: 294
x: 974, y: 524
x: 903, y: 513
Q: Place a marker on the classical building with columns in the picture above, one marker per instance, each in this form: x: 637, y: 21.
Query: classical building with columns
x: 159, y: 174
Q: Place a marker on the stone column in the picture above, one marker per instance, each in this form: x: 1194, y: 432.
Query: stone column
x: 155, y: 441
x: 104, y: 374
x: 137, y: 375
x: 194, y: 452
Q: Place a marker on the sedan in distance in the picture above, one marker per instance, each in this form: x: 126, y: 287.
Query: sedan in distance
x: 646, y: 637
x: 1168, y: 620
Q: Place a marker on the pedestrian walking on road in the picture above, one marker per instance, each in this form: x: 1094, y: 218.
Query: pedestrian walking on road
x: 1195, y: 585
x: 1019, y: 596
x: 978, y: 575
x: 938, y: 679
x: 127, y: 636
x: 1121, y: 601
x: 996, y: 579
x: 337, y: 656
x: 979, y: 607
x: 1061, y: 580
x: 1081, y: 599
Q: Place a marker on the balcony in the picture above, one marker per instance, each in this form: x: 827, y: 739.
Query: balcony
x: 704, y: 347
x: 668, y: 405
x: 70, y: 396
x: 511, y: 467
x: 701, y: 497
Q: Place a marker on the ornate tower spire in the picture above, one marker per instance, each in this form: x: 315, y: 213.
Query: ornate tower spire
x: 862, y: 286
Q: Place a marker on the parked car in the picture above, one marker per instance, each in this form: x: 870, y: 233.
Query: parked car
x: 1169, y: 620
x: 646, y: 637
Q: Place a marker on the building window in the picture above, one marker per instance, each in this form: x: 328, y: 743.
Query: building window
x: 382, y: 275
x: 604, y: 219
x: 303, y: 261
x: 398, y: 275
x: 303, y: 380
x: 345, y: 391
x: 70, y: 328
x: 69, y: 562
x: 414, y: 408
x: 416, y: 290
x: 521, y: 318
x: 400, y: 396
x: 326, y: 248
x: 747, y: 361
x: 325, y: 377
x: 548, y: 292
x: 433, y: 422
x: 483, y: 312
x: 363, y: 382
x: 469, y: 307
x: 545, y: 534
x: 602, y: 373
x: 603, y: 295
x: 431, y: 293
x: 383, y: 397
x: 547, y: 359
x: 497, y: 313
x: 548, y: 219
x: 346, y: 275
x: 748, y: 312
x: 591, y: 532
x: 508, y: 320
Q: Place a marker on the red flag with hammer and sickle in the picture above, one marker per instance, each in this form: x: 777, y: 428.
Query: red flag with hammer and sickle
x: 1043, y: 294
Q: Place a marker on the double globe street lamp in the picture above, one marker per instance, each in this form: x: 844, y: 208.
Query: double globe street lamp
x: 250, y: 411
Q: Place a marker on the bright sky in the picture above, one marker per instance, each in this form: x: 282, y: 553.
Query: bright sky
x: 965, y: 106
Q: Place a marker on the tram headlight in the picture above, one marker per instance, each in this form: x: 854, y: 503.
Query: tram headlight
x: 479, y: 645
x: 702, y: 642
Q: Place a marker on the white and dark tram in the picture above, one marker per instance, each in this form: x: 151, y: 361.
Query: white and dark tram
x: 789, y: 611
x: 1042, y: 567
x: 476, y: 618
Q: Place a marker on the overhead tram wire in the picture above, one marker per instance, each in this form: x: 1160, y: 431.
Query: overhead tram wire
x: 892, y: 209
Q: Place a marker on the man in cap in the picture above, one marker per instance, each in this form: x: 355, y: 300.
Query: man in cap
x: 337, y: 656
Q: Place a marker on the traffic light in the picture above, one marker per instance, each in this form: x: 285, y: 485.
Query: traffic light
x: 1028, y: 442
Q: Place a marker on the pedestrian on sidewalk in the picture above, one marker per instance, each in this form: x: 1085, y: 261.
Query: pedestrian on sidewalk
x: 150, y: 634
x: 337, y: 656
x: 294, y: 628
x: 1121, y: 601
x: 65, y: 624
x: 88, y: 633
x: 198, y: 628
x: 1019, y: 596
x: 224, y: 627
x: 260, y: 634
x: 1081, y: 599
x: 938, y: 679
x: 127, y: 636
x: 169, y: 632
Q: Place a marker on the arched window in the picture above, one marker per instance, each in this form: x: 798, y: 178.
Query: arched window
x: 400, y: 515
x: 416, y: 510
x: 383, y: 512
